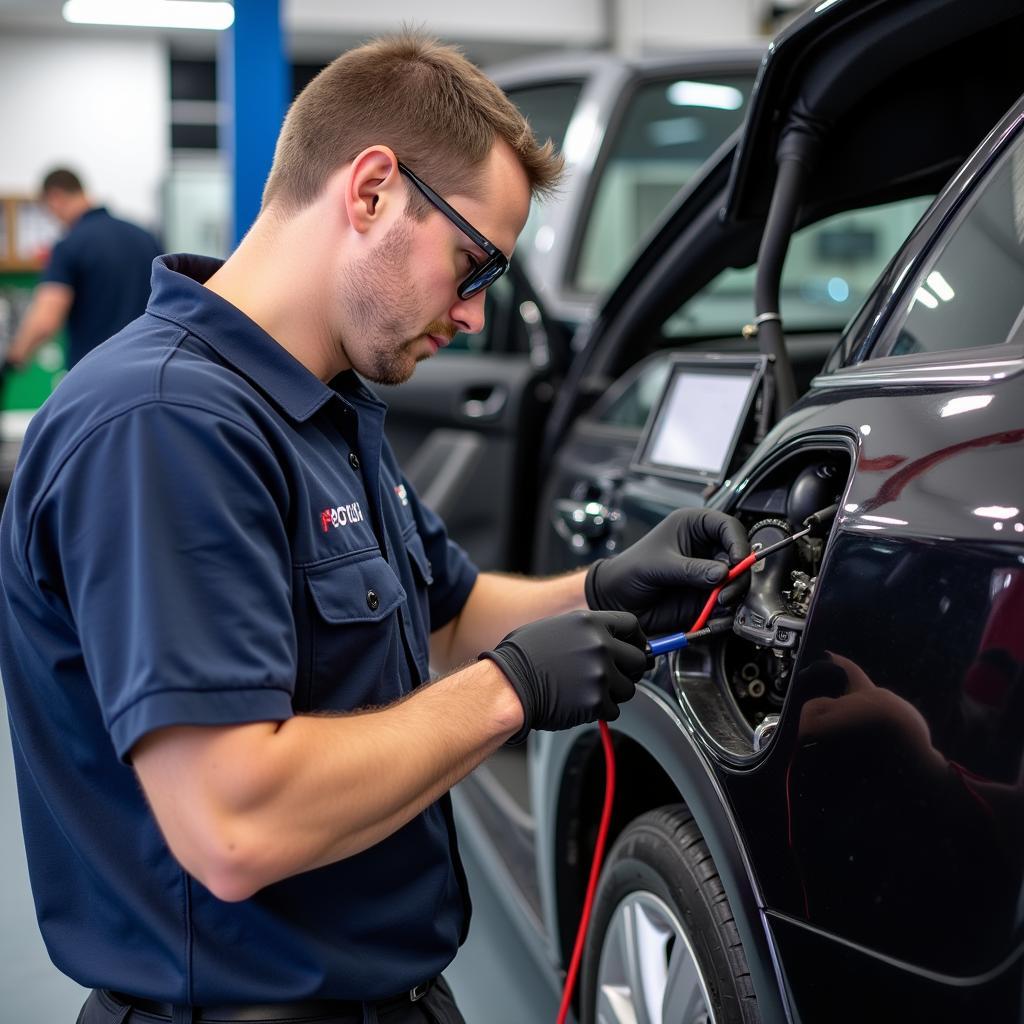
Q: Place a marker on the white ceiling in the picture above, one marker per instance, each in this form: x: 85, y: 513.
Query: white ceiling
x: 489, y: 31
x: 317, y: 30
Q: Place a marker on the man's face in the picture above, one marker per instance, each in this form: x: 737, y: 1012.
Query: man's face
x: 56, y: 202
x: 385, y: 308
x: 401, y: 300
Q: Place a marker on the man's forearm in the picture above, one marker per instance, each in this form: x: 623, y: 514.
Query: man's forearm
x: 42, y: 320
x: 33, y: 331
x: 498, y: 604
x: 244, y: 806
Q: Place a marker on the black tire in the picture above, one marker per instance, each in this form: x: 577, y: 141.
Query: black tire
x: 661, y: 860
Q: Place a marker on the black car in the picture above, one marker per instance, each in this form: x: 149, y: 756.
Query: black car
x: 820, y: 810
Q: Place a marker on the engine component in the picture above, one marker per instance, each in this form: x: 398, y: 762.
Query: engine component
x: 812, y: 489
x: 800, y: 592
x: 765, y: 617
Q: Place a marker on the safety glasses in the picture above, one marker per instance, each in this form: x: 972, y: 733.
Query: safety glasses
x: 485, y: 273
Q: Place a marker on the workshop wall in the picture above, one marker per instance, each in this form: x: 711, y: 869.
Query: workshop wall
x: 97, y: 105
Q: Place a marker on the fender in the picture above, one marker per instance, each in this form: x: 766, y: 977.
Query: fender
x: 654, y: 724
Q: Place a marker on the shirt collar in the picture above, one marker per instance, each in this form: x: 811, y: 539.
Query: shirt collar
x: 178, y: 295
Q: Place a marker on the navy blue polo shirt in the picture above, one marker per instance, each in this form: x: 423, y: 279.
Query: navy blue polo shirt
x: 107, y: 262
x: 199, y: 531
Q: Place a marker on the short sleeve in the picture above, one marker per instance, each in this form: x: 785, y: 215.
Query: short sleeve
x: 60, y: 268
x: 169, y: 525
x: 453, y: 572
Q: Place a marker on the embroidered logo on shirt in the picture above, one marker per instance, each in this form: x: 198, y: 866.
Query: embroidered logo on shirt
x: 402, y: 495
x: 341, y: 515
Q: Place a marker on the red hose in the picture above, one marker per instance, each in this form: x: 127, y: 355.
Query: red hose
x: 606, y: 811
x: 595, y: 871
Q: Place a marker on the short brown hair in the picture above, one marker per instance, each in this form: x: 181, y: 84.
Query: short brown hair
x: 437, y: 111
x: 62, y: 180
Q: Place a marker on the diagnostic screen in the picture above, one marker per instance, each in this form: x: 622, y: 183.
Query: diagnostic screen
x: 698, y: 420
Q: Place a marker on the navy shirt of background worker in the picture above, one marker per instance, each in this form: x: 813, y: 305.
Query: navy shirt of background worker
x: 107, y: 262
x: 237, y: 544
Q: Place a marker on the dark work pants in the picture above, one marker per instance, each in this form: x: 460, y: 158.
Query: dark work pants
x: 436, y: 1007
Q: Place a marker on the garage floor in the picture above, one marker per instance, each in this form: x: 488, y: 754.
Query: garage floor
x: 490, y: 976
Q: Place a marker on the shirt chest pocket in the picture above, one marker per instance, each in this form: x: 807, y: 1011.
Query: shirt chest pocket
x: 419, y: 602
x: 353, y: 652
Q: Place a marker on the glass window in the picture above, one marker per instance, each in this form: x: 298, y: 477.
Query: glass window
x: 636, y: 400
x: 829, y: 270
x: 972, y: 294
x: 669, y: 129
x: 549, y: 109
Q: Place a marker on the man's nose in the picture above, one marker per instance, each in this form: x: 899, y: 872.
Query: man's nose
x: 468, y: 314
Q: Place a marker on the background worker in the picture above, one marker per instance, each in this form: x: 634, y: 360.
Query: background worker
x: 95, y: 281
x: 220, y: 594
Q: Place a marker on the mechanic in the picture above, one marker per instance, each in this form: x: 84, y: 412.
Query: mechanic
x: 95, y: 281
x: 221, y: 595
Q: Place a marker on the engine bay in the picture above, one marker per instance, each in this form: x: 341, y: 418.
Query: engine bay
x: 736, y: 685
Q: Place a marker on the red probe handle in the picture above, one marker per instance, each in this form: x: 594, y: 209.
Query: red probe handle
x: 737, y: 570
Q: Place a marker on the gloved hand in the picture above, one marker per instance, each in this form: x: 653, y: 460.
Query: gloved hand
x: 665, y: 577
x: 572, y: 669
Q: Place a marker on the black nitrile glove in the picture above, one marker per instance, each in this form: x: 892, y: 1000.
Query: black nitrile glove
x: 665, y: 577
x: 572, y: 669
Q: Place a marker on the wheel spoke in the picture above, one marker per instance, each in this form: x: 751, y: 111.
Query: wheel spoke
x: 684, y: 996
x: 615, y: 1005
x: 647, y: 973
x: 651, y: 937
x: 615, y: 997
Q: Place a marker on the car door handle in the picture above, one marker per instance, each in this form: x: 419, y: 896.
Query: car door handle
x: 484, y: 402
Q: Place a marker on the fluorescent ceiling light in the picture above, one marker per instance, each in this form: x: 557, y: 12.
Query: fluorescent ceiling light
x: 940, y: 286
x: 151, y: 13
x: 926, y: 298
x: 704, y: 94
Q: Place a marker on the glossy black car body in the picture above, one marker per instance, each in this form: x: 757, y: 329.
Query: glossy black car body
x: 861, y: 807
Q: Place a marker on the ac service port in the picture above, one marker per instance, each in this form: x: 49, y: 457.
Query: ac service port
x: 735, y: 686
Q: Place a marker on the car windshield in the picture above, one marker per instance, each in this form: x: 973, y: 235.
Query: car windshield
x: 669, y: 128
x: 829, y: 270
x: 549, y: 109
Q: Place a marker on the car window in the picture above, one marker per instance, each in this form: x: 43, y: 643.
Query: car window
x: 971, y: 294
x: 829, y: 270
x: 669, y: 128
x: 631, y: 407
x: 549, y: 109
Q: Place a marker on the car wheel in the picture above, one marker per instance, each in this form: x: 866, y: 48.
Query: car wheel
x: 663, y: 946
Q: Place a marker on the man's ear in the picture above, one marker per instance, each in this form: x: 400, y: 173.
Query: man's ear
x: 373, y: 191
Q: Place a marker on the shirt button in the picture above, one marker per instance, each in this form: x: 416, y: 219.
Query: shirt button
x: 372, y: 600
x: 353, y: 460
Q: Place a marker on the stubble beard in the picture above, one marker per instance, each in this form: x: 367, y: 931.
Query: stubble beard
x: 382, y: 309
